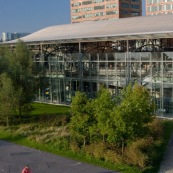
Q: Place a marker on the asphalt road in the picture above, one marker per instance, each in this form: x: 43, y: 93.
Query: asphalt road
x: 14, y: 157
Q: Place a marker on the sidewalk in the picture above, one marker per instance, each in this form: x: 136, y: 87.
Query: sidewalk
x: 14, y: 157
x: 167, y: 163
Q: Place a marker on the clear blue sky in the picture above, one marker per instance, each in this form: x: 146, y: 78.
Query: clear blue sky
x: 32, y: 15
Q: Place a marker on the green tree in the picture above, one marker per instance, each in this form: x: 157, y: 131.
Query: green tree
x: 103, y: 106
x: 21, y: 72
x: 4, y: 59
x: 133, y: 114
x: 81, y: 119
x: 7, y: 98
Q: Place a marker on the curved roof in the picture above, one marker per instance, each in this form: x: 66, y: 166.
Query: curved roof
x: 125, y: 28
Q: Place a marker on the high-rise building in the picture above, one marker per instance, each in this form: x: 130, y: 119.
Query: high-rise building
x: 87, y: 10
x: 157, y: 7
x: 6, y: 36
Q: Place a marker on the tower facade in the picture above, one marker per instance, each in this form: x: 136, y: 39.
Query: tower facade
x: 157, y: 7
x: 7, y: 36
x: 88, y: 10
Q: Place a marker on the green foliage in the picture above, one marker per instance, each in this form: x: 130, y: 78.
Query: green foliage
x: 103, y: 106
x: 20, y: 70
x: 7, y: 98
x: 18, y: 65
x: 136, y: 152
x: 133, y: 114
x: 125, y: 119
x: 80, y: 119
x: 4, y: 59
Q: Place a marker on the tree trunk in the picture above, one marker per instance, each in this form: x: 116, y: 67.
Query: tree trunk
x: 122, y: 147
x: 7, y: 121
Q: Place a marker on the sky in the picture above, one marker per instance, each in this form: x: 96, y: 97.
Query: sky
x: 28, y: 16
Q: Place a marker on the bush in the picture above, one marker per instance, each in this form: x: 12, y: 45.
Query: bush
x: 96, y: 150
x: 74, y: 146
x: 156, y: 128
x: 136, y: 153
x: 113, y: 157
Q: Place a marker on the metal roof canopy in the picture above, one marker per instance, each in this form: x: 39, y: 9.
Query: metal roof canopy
x: 143, y: 27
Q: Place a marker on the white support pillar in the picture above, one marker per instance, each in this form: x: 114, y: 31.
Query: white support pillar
x: 79, y: 47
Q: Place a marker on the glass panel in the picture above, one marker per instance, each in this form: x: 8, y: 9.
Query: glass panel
x: 134, y: 56
x: 168, y: 56
x: 111, y: 57
x: 145, y: 56
x: 168, y: 100
x: 155, y: 56
x: 120, y: 56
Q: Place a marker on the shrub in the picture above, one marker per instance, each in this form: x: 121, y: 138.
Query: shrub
x: 136, y: 153
x: 113, y: 157
x: 156, y: 128
x: 74, y: 146
x: 96, y: 150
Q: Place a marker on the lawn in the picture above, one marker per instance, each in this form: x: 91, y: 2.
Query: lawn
x: 49, y: 109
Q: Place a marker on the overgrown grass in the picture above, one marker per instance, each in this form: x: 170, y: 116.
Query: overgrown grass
x: 168, y: 130
x: 42, y: 132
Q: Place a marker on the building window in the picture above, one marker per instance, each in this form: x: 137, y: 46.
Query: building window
x: 124, y: 5
x: 134, y: 13
x: 86, y: 2
x: 99, y: 14
x: 98, y: 1
x: 124, y: 12
x: 99, y: 7
x: 87, y: 15
x: 111, y: 12
x: 76, y: 4
x: 111, y: 6
x: 135, y: 6
x: 88, y: 9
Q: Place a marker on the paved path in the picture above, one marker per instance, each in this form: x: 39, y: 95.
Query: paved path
x: 13, y: 157
x: 167, y: 163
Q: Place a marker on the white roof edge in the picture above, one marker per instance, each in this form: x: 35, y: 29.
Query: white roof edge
x: 141, y: 27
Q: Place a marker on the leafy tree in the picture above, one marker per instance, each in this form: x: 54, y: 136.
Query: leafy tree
x: 81, y: 119
x: 4, y: 60
x: 21, y: 72
x: 18, y: 64
x: 7, y: 98
x: 133, y: 114
x: 103, y: 106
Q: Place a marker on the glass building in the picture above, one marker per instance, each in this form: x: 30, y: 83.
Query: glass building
x: 82, y: 56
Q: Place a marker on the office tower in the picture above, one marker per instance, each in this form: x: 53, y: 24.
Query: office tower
x: 87, y: 10
x: 157, y: 7
x: 6, y: 36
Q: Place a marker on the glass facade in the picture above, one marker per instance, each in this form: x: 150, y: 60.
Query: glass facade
x: 149, y: 63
